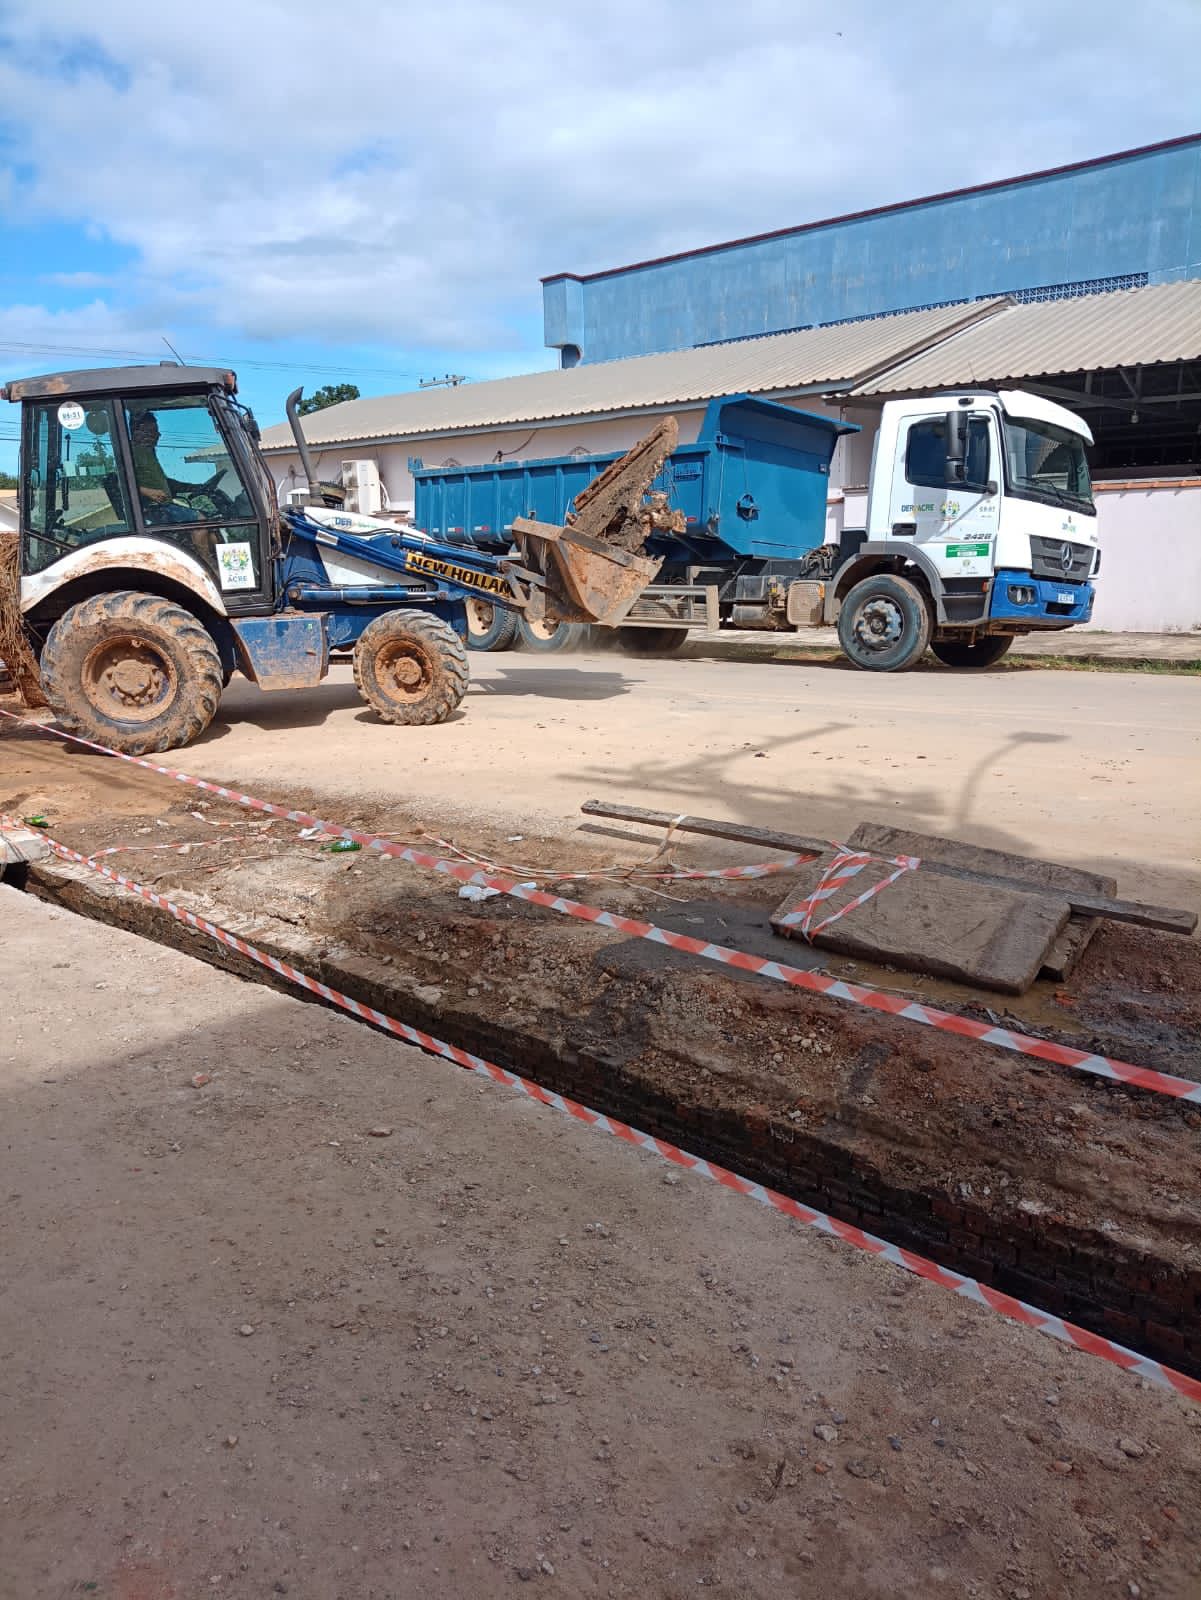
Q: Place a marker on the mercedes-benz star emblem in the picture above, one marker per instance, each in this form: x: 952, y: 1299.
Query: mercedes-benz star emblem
x: 1065, y: 556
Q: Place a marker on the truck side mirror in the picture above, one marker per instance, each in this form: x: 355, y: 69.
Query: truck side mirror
x: 956, y: 447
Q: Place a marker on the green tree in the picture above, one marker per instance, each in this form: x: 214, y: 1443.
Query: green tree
x: 7, y: 481
x: 330, y: 394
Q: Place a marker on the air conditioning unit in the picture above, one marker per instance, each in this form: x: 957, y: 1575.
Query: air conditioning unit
x: 364, y: 492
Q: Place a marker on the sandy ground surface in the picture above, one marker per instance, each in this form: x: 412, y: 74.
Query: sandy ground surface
x: 487, y: 1349
x: 1101, y: 770
x: 1073, y: 643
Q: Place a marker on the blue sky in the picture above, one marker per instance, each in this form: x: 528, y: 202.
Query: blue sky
x: 369, y: 192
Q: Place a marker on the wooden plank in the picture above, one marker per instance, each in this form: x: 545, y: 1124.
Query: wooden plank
x: 742, y: 833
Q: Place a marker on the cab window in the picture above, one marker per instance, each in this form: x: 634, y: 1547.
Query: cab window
x: 182, y: 470
x: 74, y: 490
x: 926, y: 454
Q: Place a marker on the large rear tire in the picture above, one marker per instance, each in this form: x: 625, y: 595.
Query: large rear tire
x: 884, y: 624
x: 549, y: 637
x: 132, y: 671
x: 410, y: 667
x: 490, y: 627
x: 959, y: 653
x: 651, y: 641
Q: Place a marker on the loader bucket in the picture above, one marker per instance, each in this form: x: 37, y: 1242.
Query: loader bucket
x: 593, y: 567
x: 586, y: 579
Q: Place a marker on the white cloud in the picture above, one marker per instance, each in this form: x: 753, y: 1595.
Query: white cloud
x: 403, y: 174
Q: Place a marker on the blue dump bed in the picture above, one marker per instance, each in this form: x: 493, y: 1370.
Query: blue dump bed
x: 753, y: 485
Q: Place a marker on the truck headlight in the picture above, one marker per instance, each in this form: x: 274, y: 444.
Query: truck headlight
x: 1021, y: 594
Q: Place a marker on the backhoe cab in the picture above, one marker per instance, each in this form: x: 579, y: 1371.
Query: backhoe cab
x: 155, y: 562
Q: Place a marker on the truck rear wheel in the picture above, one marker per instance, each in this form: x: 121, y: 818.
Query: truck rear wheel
x: 410, y: 667
x: 983, y: 653
x: 884, y: 624
x: 490, y: 627
x: 651, y: 641
x: 548, y: 637
x: 132, y: 671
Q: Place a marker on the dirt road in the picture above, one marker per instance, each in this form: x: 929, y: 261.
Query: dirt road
x: 249, y: 1348
x: 1100, y: 770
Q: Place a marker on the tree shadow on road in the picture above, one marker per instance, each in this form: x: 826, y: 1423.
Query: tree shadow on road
x: 715, y: 783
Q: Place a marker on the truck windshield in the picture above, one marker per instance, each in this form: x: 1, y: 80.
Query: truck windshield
x: 1045, y: 462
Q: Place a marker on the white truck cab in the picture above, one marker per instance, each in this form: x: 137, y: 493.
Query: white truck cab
x: 980, y: 506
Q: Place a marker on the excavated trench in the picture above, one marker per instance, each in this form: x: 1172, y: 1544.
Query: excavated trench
x: 1076, y: 1194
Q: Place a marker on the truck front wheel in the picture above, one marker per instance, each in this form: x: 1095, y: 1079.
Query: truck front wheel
x: 490, y: 627
x: 982, y: 653
x: 410, y: 667
x: 547, y: 638
x: 884, y: 624
x: 132, y: 671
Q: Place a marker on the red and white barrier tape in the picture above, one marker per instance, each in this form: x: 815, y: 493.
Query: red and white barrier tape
x: 856, y: 994
x: 846, y: 865
x: 968, y: 1288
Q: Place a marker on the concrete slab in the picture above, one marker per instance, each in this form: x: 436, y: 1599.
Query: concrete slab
x: 19, y: 845
x: 990, y: 936
x: 884, y: 839
x: 1071, y: 943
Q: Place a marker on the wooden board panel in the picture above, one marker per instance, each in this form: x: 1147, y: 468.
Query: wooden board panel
x: 983, y: 934
x: 882, y: 839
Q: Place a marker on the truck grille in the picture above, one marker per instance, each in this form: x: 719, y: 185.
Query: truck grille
x: 1059, y: 558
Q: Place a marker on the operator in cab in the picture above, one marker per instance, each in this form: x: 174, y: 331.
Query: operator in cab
x: 155, y: 489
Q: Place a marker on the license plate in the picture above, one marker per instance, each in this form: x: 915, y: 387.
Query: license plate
x: 1065, y: 599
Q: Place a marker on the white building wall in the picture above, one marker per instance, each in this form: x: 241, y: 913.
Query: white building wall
x: 474, y: 449
x: 1150, y: 579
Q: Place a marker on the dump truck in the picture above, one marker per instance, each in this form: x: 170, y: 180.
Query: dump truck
x: 155, y: 562
x: 980, y: 527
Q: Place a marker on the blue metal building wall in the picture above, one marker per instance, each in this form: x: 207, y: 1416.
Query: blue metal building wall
x: 1135, y: 218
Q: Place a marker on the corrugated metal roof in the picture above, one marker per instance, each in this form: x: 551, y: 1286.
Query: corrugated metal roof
x: 1130, y: 327
x: 833, y: 356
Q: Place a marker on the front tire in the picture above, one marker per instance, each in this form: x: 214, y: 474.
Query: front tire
x: 546, y: 638
x: 410, y: 667
x: 983, y: 653
x: 884, y: 624
x: 651, y: 641
x: 132, y: 671
x: 490, y: 627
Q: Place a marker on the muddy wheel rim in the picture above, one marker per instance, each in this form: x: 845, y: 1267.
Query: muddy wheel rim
x: 542, y: 629
x: 129, y: 679
x: 480, y: 616
x: 404, y: 670
x: 879, y: 625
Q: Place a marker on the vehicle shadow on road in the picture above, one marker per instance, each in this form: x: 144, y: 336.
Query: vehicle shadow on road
x: 302, y: 708
x: 548, y: 682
